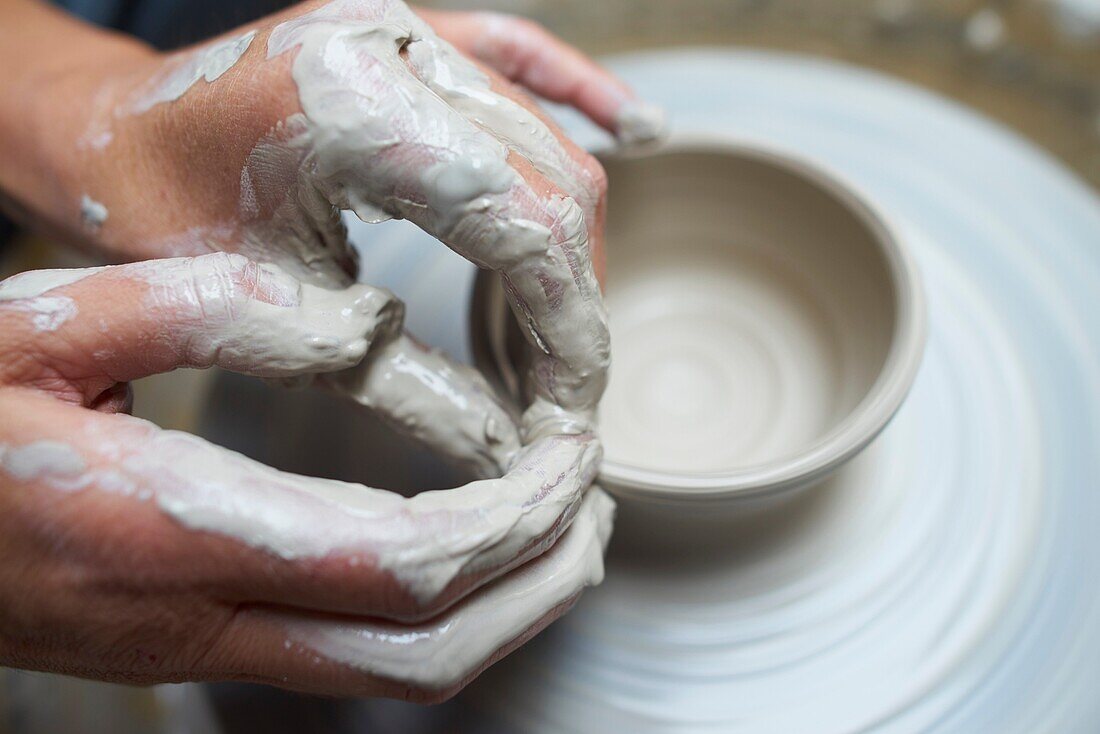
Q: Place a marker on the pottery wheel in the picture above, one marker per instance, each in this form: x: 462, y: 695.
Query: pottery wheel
x: 945, y: 580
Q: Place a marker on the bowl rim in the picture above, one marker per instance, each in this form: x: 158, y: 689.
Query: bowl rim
x: 852, y: 433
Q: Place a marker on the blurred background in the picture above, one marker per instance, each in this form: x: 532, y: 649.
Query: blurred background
x: 1033, y: 65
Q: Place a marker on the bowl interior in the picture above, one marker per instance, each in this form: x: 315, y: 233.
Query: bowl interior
x: 765, y: 324
x: 752, y: 309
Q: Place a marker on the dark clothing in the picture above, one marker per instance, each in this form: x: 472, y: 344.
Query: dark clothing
x: 171, y: 23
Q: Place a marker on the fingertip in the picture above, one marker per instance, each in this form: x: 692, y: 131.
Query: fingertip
x: 638, y: 122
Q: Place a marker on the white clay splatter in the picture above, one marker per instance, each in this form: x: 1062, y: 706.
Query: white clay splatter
x: 34, y: 283
x: 207, y: 63
x: 92, y: 213
x: 26, y: 292
x: 48, y: 313
x: 53, y: 459
x: 96, y: 140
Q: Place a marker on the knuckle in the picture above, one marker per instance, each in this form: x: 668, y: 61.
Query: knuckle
x: 596, y: 174
x: 230, y: 264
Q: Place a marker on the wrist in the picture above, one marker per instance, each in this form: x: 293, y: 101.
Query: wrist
x: 47, y: 116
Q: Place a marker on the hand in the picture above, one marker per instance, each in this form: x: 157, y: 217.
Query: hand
x: 253, y: 142
x: 140, y: 555
x: 251, y: 145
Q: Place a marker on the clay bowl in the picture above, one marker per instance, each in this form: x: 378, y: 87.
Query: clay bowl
x: 765, y: 324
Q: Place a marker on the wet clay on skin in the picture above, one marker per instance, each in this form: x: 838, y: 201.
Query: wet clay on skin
x: 256, y: 319
x: 753, y: 338
x: 369, y: 74
x: 206, y: 64
x: 27, y: 292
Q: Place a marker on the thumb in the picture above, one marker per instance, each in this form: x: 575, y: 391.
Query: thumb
x: 100, y: 326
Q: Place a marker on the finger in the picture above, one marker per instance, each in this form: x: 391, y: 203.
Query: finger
x: 538, y: 242
x: 488, y: 102
x: 524, y: 52
x: 115, y: 324
x: 372, y: 149
x: 426, y: 661
x: 260, y: 535
x: 503, y: 111
x: 447, y: 406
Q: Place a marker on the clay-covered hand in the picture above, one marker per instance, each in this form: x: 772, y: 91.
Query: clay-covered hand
x: 252, y: 143
x: 137, y: 554
x: 178, y: 560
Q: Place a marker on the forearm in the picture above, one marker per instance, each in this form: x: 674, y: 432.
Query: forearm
x: 50, y: 64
